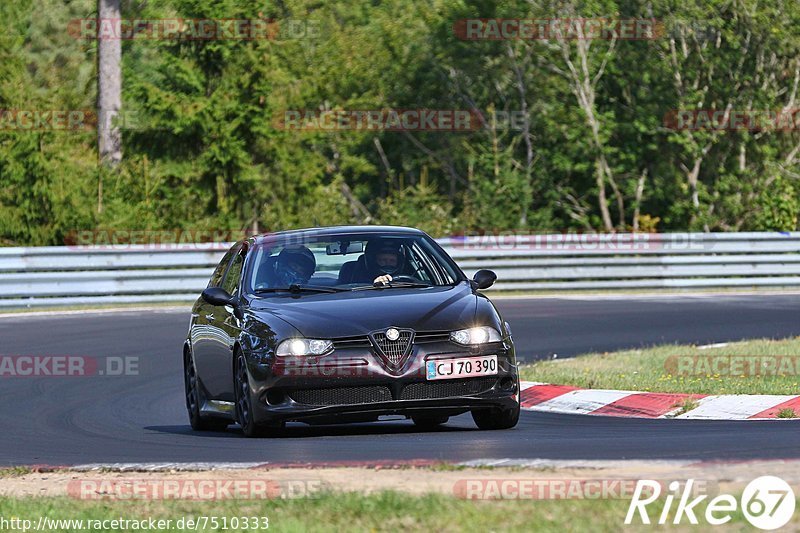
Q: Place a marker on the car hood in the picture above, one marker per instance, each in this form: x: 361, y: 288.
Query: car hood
x: 360, y: 312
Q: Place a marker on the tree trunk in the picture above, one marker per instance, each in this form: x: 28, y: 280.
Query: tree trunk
x: 602, y: 200
x: 109, y: 93
x: 638, y: 200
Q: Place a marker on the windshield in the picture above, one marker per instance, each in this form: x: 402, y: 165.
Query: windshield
x: 347, y: 262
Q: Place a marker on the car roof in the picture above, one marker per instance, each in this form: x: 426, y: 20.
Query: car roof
x: 336, y: 230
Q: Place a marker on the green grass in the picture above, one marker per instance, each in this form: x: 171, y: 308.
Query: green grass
x: 655, y: 370
x: 14, y: 471
x: 686, y: 405
x: 386, y: 511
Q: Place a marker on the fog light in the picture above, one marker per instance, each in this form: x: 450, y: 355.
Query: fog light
x: 275, y: 397
x: 507, y: 384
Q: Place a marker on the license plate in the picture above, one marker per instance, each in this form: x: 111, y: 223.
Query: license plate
x: 462, y: 367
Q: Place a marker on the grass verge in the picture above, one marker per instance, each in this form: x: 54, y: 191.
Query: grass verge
x: 385, y: 511
x: 738, y: 368
x: 14, y: 471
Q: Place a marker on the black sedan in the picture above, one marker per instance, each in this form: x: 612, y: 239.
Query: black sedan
x: 346, y: 324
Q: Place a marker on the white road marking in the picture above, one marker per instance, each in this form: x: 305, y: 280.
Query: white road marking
x: 523, y: 385
x: 733, y: 406
x: 715, y: 345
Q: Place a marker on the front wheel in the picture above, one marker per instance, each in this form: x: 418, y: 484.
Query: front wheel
x: 244, y: 402
x: 496, y: 417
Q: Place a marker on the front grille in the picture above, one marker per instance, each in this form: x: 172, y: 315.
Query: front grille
x: 363, y: 341
x: 431, y: 336
x: 341, y: 395
x: 447, y: 388
x: 343, y: 343
x: 393, y: 351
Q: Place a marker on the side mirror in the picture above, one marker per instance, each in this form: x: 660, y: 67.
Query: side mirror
x: 483, y: 279
x: 217, y: 296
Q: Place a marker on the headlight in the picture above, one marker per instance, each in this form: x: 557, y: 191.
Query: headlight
x: 304, y: 347
x: 472, y: 336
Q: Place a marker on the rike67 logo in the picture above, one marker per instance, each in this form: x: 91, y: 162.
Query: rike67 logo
x: 767, y: 503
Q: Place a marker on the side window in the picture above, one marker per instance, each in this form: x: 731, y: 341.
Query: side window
x: 231, y: 283
x: 428, y: 270
x: 420, y: 270
x: 439, y: 266
x: 216, y: 278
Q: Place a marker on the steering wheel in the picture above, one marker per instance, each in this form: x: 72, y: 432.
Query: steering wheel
x: 410, y: 279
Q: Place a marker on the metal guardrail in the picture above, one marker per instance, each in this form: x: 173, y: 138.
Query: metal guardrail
x: 77, y: 275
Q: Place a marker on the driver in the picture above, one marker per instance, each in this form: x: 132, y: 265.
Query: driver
x: 384, y: 259
x: 295, y: 265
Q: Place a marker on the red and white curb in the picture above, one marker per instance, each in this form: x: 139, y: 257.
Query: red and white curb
x: 566, y: 399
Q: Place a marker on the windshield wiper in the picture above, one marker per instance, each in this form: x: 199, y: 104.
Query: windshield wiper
x: 392, y: 285
x: 296, y: 289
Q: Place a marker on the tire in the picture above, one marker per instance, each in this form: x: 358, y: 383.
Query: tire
x: 429, y: 421
x: 496, y: 417
x: 194, y: 399
x: 244, y: 403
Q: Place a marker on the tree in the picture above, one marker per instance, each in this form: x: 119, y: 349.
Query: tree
x: 109, y: 91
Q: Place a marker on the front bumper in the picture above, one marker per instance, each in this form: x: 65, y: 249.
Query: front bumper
x: 355, y: 384
x: 352, y: 412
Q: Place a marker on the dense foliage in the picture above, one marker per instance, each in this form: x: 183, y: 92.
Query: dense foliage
x: 203, y: 149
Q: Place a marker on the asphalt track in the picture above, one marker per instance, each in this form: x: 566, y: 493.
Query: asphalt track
x: 141, y: 418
